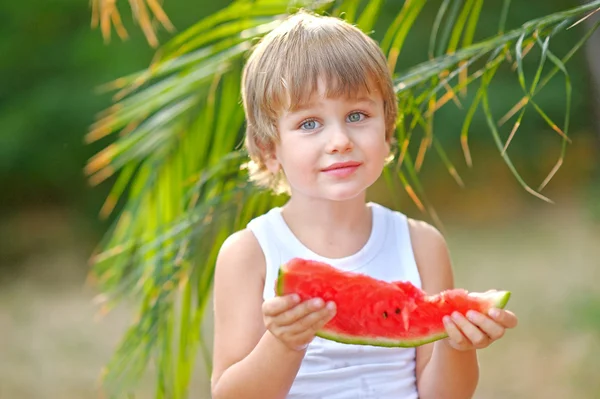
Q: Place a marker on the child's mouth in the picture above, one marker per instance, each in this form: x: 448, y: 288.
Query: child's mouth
x: 342, y: 169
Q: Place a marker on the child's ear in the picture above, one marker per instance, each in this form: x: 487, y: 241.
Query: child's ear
x: 272, y: 163
x: 390, y: 142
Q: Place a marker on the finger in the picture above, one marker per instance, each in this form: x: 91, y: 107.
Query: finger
x: 280, y: 304
x: 311, y: 325
x: 504, y: 317
x: 297, y: 313
x: 454, y: 333
x: 315, y: 320
x: 492, y: 329
x: 469, y: 330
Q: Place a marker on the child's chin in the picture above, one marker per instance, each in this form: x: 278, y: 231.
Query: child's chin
x: 344, y: 194
x: 337, y: 192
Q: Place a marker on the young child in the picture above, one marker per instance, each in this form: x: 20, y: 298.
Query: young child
x: 321, y: 113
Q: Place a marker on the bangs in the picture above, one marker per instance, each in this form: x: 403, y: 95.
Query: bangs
x: 339, y: 58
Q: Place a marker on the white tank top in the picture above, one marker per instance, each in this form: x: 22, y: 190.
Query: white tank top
x: 332, y: 370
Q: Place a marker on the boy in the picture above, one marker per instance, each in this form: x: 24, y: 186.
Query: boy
x: 321, y: 111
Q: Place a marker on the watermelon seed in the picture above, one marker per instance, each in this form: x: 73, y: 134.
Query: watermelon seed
x: 397, y: 310
x: 385, y: 315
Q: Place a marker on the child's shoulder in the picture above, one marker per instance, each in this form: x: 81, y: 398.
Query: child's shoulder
x: 425, y: 234
x: 240, y: 253
x: 240, y: 241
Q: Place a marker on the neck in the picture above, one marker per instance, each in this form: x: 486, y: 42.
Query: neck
x: 329, y: 228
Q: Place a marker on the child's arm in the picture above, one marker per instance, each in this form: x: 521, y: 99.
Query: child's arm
x: 248, y: 360
x: 448, y: 369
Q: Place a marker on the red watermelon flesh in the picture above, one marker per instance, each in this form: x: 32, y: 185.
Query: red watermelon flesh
x: 375, y: 312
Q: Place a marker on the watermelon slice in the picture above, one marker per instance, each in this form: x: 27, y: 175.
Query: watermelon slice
x: 378, y: 313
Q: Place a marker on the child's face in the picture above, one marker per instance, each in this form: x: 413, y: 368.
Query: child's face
x: 330, y: 131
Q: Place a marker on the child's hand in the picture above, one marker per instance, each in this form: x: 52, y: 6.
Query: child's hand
x: 295, y: 323
x: 477, y: 331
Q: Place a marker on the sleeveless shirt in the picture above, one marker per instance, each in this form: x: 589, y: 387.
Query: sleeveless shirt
x: 332, y: 370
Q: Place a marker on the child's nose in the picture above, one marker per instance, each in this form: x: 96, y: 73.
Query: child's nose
x: 339, y: 140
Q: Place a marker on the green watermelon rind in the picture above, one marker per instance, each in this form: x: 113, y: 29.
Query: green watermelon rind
x: 389, y: 343
x: 499, y: 300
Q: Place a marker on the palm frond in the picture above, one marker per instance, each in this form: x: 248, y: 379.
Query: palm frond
x: 145, y: 12
x: 180, y: 186
x: 416, y: 82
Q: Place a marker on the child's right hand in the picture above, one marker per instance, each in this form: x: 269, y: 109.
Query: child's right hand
x: 293, y: 323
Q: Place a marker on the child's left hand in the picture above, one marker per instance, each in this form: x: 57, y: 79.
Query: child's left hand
x: 477, y: 330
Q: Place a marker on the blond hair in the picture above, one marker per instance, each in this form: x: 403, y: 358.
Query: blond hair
x: 283, y: 71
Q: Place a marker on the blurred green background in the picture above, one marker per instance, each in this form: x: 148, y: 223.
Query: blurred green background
x: 52, y: 342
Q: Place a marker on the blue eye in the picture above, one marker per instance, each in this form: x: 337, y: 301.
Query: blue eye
x: 309, y: 124
x: 355, y: 117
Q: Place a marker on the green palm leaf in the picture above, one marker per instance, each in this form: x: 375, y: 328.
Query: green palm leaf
x: 181, y: 188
